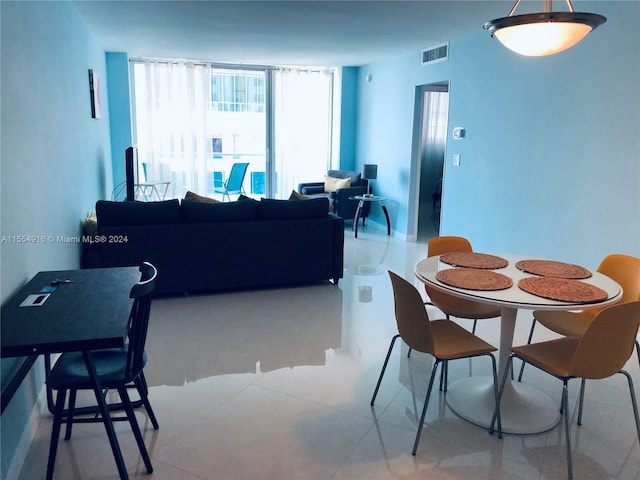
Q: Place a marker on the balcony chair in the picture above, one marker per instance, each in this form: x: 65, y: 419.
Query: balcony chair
x: 600, y: 352
x: 117, y: 368
x: 624, y: 269
x: 443, y: 339
x: 233, y: 185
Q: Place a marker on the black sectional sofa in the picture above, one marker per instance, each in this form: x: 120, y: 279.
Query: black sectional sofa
x: 200, y: 247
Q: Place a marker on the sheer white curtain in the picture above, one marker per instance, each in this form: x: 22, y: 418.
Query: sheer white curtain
x: 171, y: 104
x: 302, y: 127
x: 175, y: 125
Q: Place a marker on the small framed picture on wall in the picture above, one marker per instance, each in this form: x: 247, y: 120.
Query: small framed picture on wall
x: 94, y: 90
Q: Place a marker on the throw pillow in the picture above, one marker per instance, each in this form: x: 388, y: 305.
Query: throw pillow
x: 194, y: 197
x: 90, y: 226
x: 297, y: 196
x: 332, y: 184
x: 244, y: 198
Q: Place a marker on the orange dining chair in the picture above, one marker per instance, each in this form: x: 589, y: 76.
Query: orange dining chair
x: 448, y: 304
x: 443, y: 339
x: 624, y: 269
x: 600, y: 352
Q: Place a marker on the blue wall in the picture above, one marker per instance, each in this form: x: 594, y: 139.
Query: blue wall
x: 56, y: 159
x: 119, y: 113
x: 550, y: 164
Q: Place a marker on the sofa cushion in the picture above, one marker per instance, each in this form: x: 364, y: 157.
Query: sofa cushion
x: 270, y: 209
x: 356, y: 177
x: 115, y: 214
x: 203, y: 212
x: 332, y: 184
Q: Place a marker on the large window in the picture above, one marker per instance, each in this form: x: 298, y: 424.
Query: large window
x: 193, y: 121
x: 233, y: 92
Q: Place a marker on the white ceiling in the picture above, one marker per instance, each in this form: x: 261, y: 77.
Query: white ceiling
x: 266, y: 32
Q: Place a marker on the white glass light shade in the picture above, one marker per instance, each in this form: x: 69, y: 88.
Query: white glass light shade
x: 539, y: 39
x: 539, y: 34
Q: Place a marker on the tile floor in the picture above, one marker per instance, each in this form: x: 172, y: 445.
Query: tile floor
x: 276, y: 384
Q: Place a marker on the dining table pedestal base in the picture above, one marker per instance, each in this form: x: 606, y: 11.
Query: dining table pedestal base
x: 525, y: 410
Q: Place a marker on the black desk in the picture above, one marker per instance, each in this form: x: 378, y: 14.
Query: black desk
x: 88, y: 314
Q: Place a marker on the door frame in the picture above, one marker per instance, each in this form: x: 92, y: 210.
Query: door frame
x: 416, y: 158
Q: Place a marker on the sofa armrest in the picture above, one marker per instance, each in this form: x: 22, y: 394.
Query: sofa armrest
x: 311, y: 188
x: 345, y: 193
x: 345, y: 207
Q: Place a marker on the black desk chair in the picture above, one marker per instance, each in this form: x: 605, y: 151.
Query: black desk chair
x: 117, y: 368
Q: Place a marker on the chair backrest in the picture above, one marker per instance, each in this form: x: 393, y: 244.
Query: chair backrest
x: 142, y: 293
x: 447, y: 244
x: 449, y: 304
x: 411, y: 316
x: 218, y: 180
x: 236, y: 177
x: 625, y: 270
x: 608, y: 342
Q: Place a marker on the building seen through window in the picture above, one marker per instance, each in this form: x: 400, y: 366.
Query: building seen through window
x: 233, y: 92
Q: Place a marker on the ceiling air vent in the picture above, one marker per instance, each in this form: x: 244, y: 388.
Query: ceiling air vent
x: 435, y: 54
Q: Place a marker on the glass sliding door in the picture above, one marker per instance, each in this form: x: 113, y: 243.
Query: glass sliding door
x: 237, y: 126
x: 194, y: 121
x: 302, y: 106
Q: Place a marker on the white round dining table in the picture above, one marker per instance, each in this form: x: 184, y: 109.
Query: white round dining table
x: 524, y: 408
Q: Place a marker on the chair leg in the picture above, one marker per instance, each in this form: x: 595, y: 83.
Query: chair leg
x: 384, y: 367
x: 126, y: 402
x: 638, y: 350
x: 72, y: 406
x: 143, y: 392
x: 634, y: 402
x: 581, y: 402
x: 473, y: 329
x: 424, y: 408
x: 533, y: 326
x: 443, y: 376
x: 409, y: 352
x: 565, y: 406
x: 55, y: 432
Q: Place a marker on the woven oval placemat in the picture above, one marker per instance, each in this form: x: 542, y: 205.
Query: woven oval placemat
x: 551, y: 268
x: 474, y: 279
x: 562, y: 289
x: 474, y: 260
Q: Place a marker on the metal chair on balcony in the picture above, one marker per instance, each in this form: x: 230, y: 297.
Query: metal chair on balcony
x: 233, y: 185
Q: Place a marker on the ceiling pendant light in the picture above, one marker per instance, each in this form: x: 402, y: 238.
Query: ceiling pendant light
x: 546, y: 33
